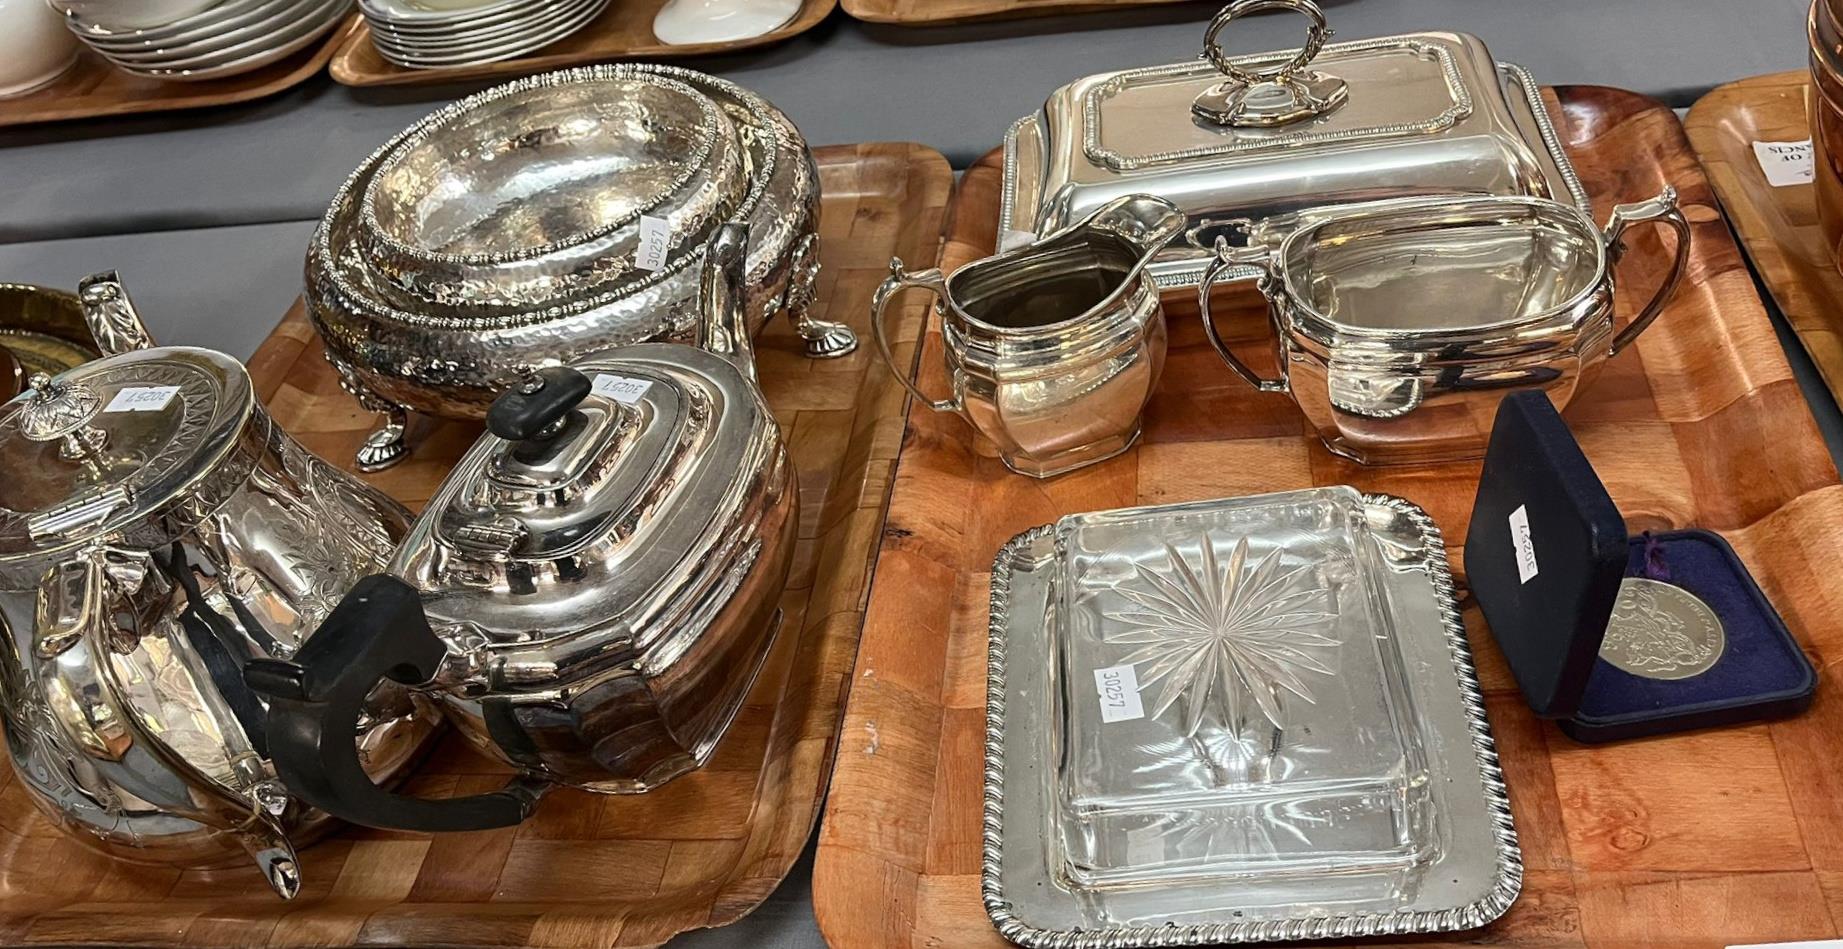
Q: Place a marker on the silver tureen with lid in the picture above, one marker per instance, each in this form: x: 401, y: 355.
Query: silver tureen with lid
x: 157, y: 530
x: 549, y: 219
x: 1232, y: 140
x: 590, y: 592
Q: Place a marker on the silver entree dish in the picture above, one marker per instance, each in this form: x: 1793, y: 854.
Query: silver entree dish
x: 1237, y: 721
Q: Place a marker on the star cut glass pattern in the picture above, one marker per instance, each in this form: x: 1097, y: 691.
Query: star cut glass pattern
x: 1277, y: 737
x: 1234, y: 633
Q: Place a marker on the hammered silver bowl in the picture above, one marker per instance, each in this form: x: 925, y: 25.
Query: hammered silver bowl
x: 500, y: 235
x: 542, y: 194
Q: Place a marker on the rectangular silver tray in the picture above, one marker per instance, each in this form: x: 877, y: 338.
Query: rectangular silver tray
x: 1027, y: 162
x: 1359, y: 795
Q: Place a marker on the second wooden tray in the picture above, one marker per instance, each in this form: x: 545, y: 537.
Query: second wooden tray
x: 587, y: 870
x: 1777, y: 225
x: 623, y: 31
x: 93, y: 88
x: 946, y: 12
x: 1702, y: 839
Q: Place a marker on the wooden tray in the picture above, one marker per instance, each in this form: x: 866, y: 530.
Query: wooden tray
x: 94, y: 88
x: 1778, y: 226
x: 946, y: 12
x: 1704, y: 839
x: 623, y: 31
x: 588, y: 869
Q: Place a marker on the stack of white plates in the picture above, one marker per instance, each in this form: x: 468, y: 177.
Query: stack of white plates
x: 189, y: 40
x: 428, y: 34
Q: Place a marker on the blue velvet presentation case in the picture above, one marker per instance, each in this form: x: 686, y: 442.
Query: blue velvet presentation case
x: 1548, y: 613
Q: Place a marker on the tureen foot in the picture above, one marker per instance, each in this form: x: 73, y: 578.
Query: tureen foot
x: 387, y: 445
x: 273, y: 854
x: 824, y: 339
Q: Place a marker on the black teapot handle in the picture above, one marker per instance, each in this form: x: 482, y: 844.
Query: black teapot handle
x: 378, y: 631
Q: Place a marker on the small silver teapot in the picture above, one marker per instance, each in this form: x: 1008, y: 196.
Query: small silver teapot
x: 590, y: 593
x: 158, y: 530
x: 1053, y: 348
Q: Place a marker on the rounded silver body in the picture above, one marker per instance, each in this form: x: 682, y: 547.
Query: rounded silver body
x: 1399, y: 324
x: 1053, y: 349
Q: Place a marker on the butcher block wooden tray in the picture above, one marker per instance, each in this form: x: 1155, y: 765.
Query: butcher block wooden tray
x: 623, y: 31
x: 1777, y: 225
x: 587, y: 870
x: 93, y: 88
x: 946, y: 12
x: 1703, y: 839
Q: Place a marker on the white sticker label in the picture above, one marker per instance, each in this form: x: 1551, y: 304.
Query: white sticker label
x: 1806, y: 944
x: 655, y: 241
x: 142, y: 399
x: 620, y: 388
x: 1118, y: 687
x: 1012, y: 240
x: 1520, y: 539
x: 1785, y: 163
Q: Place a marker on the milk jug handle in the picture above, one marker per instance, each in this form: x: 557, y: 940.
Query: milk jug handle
x: 1662, y: 209
x: 899, y: 280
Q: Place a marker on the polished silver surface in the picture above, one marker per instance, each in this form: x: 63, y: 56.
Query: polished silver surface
x: 445, y: 359
x: 1237, y: 721
x: 1661, y: 631
x: 1052, y: 349
x: 1398, y: 324
x: 1423, y: 113
x: 602, y: 590
x: 156, y: 529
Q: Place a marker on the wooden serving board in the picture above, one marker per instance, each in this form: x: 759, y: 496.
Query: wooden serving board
x: 947, y: 12
x: 623, y: 31
x: 1778, y: 226
x: 1703, y: 839
x: 587, y: 870
x: 94, y: 87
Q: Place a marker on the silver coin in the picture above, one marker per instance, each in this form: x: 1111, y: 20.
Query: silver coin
x: 1660, y: 631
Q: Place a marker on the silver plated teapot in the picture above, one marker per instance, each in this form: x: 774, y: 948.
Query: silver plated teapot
x: 590, y: 593
x: 157, y: 530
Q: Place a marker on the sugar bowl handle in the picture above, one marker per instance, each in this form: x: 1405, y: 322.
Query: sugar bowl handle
x: 1662, y: 209
x: 377, y: 632
x: 1230, y: 266
x: 899, y: 280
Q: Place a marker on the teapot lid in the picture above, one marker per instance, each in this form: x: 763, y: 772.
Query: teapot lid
x: 132, y: 445
x: 600, y: 489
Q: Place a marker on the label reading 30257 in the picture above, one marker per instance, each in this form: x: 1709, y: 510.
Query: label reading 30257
x: 1118, y: 687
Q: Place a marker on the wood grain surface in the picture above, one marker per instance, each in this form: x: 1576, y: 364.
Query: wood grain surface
x: 623, y: 31
x: 587, y: 870
x: 94, y: 87
x: 1778, y: 226
x: 946, y: 12
x: 1704, y: 839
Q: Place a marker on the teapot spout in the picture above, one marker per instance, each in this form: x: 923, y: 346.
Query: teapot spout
x: 112, y: 318
x: 723, y: 296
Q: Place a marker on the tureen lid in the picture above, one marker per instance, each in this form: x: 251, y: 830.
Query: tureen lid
x: 617, y: 476
x: 133, y: 445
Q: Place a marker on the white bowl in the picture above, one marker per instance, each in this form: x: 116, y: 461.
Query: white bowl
x: 35, y: 48
x: 115, y: 15
x: 681, y: 22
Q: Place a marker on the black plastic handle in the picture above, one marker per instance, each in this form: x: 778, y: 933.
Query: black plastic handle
x: 528, y: 411
x: 378, y: 631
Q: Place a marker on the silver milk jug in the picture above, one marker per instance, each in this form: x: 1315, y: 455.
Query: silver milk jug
x: 1053, y: 349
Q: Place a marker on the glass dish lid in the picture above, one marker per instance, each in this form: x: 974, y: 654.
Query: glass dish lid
x: 1251, y: 719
